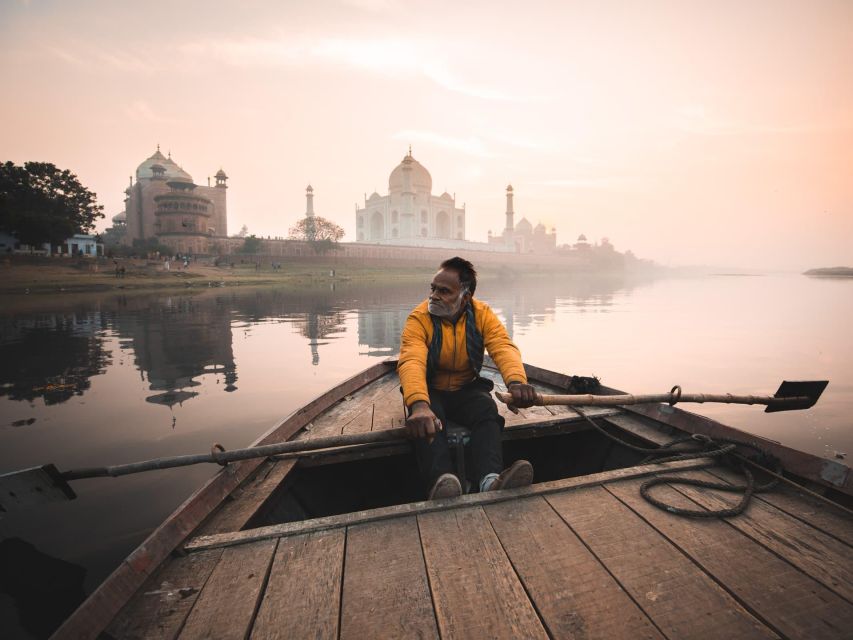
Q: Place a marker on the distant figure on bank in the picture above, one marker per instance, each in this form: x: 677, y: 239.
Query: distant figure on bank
x: 441, y: 354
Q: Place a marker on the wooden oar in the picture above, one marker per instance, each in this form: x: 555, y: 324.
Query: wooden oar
x: 19, y: 489
x: 790, y: 396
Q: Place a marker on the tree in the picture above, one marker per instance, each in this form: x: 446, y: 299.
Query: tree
x: 319, y: 232
x: 244, y: 231
x: 251, y: 245
x: 42, y: 203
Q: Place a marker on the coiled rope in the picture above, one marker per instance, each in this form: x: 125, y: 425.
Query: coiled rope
x: 722, y: 450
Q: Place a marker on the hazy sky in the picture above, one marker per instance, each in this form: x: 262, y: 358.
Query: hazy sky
x: 690, y: 132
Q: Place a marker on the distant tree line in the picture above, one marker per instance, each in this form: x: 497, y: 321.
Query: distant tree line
x: 41, y: 203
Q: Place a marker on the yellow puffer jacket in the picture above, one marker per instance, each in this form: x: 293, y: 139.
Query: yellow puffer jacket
x: 454, y: 370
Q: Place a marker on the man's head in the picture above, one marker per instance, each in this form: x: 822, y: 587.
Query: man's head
x: 452, y: 288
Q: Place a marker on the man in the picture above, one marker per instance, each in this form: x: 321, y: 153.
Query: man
x: 441, y: 354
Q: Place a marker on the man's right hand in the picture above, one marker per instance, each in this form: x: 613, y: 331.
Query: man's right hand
x: 422, y: 423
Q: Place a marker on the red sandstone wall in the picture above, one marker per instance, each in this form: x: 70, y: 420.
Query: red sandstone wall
x: 383, y: 254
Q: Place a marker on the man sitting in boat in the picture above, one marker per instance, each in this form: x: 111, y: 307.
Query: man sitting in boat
x: 441, y: 354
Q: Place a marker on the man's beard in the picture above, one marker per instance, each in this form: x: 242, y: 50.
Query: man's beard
x: 442, y: 310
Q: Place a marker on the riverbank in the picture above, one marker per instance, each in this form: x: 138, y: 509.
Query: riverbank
x: 26, y: 275
x: 52, y: 275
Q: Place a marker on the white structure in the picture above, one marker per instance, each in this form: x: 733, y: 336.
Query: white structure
x: 410, y: 215
x: 81, y: 244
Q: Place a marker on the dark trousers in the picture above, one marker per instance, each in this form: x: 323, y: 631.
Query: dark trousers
x: 472, y: 407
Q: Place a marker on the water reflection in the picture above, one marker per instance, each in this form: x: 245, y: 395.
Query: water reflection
x: 50, y: 356
x: 177, y: 339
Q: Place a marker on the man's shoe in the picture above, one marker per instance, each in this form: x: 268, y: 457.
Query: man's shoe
x: 519, y: 474
x: 447, y: 486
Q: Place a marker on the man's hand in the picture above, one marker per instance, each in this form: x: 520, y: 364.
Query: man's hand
x: 423, y: 423
x: 523, y: 395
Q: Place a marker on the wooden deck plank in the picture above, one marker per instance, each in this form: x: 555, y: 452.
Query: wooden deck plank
x: 303, y: 595
x: 386, y: 591
x: 362, y: 422
x: 790, y: 602
x: 388, y: 410
x: 225, y: 606
x: 248, y: 498
x: 836, y: 522
x: 573, y: 593
x: 474, y: 588
x: 334, y: 421
x: 817, y: 554
x: 165, y: 599
x: 682, y: 600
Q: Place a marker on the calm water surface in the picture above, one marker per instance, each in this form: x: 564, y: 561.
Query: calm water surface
x: 105, y: 379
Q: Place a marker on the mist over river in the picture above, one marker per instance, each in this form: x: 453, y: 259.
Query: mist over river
x: 95, y: 379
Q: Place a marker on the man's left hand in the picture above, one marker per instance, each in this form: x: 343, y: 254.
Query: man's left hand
x: 523, y: 395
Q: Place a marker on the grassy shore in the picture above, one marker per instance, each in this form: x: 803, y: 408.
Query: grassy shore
x: 50, y: 275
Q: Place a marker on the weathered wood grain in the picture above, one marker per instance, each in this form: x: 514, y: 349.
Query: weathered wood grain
x: 303, y: 595
x: 573, y: 593
x: 474, y: 588
x: 388, y: 410
x: 165, y: 600
x: 225, y: 606
x: 248, y: 498
x: 819, y: 555
x: 819, y: 514
x: 682, y: 600
x: 338, y: 417
x: 386, y: 592
x: 790, y: 602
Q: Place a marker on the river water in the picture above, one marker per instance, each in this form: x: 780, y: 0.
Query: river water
x: 94, y: 379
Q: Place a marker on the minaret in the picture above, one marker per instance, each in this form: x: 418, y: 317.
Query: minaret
x: 309, y: 204
x: 510, y: 214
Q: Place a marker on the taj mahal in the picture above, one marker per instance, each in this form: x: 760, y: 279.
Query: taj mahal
x: 410, y: 215
x: 410, y: 212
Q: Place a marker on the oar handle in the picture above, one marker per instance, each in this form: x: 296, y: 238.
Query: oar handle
x: 589, y: 400
x: 234, y: 455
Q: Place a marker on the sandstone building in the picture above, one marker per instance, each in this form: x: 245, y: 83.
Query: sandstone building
x: 166, y: 205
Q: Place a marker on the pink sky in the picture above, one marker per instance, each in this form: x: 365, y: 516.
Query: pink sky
x: 690, y: 132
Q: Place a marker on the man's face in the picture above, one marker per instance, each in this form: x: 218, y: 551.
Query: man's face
x: 447, y: 296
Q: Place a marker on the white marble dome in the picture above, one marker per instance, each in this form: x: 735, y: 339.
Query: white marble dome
x: 421, y: 179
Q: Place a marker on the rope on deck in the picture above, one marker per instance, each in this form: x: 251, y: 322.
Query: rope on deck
x: 723, y: 450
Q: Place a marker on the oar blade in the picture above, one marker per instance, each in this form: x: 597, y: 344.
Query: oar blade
x: 28, y: 487
x: 810, y: 390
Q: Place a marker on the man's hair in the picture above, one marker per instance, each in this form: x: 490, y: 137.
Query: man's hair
x: 467, y: 274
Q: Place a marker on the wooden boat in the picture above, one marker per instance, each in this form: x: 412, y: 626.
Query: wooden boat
x: 337, y: 543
